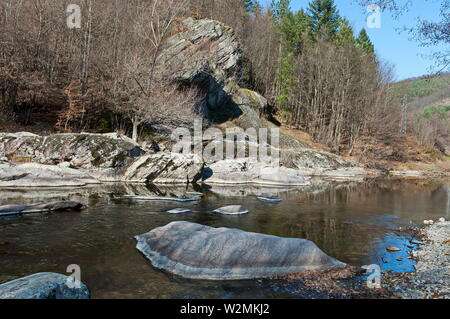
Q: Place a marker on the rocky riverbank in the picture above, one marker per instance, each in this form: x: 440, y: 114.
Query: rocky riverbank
x: 29, y: 160
x: 431, y: 280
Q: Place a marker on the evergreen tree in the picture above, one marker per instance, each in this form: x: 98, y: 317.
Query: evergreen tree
x: 279, y: 9
x: 250, y: 5
x: 323, y: 18
x: 345, y: 33
x: 364, y: 44
x: 292, y: 28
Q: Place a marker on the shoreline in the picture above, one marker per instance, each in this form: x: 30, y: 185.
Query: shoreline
x: 431, y: 279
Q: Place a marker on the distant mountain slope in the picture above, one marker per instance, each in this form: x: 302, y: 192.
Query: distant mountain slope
x: 423, y: 92
x: 427, y: 111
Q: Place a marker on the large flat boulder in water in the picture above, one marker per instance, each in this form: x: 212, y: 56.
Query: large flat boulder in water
x: 43, y: 286
x: 201, y: 252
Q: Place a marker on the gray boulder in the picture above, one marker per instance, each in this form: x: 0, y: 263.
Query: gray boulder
x: 96, y: 154
x: 43, y: 286
x: 323, y: 164
x: 165, y: 168
x: 38, y: 175
x: 247, y: 171
x: 201, y: 252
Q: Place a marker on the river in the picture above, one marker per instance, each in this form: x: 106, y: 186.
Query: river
x: 351, y: 221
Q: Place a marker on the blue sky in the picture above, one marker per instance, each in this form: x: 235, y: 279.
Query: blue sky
x: 392, y: 45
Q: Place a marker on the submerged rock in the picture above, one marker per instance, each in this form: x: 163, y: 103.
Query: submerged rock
x: 201, y: 252
x: 393, y: 249
x: 43, y: 286
x: 9, y: 210
x: 232, y: 210
x: 270, y: 199
x: 162, y: 198
x: 179, y: 211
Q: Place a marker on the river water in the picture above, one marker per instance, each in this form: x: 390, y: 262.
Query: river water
x: 351, y: 221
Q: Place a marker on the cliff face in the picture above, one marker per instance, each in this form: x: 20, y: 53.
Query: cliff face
x: 207, y: 53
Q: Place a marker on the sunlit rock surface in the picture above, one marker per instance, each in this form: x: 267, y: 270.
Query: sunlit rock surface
x: 43, y: 286
x: 165, y: 168
x: 201, y: 252
x: 38, y: 175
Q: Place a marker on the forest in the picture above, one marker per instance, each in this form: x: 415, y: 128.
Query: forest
x: 319, y: 75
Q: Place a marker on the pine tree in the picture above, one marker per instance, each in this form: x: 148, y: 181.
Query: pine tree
x: 291, y: 28
x: 345, y: 33
x: 323, y: 18
x: 249, y: 5
x: 279, y: 9
x: 364, y: 44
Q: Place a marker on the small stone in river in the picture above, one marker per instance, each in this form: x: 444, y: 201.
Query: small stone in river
x: 399, y: 259
x: 410, y: 246
x: 442, y: 220
x: 393, y: 249
x: 179, y: 211
x: 414, y: 242
x: 270, y: 199
x: 232, y: 210
x: 428, y: 222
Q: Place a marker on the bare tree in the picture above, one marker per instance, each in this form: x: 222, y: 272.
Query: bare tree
x: 141, y: 83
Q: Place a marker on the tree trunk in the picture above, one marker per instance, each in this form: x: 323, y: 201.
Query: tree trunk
x: 135, y: 131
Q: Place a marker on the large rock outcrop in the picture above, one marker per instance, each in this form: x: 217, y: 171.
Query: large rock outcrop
x: 165, y: 168
x: 97, y: 154
x: 81, y: 159
x: 201, y: 252
x: 207, y: 53
x: 43, y: 286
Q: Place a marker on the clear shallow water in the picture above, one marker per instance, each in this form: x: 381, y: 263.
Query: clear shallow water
x: 353, y: 222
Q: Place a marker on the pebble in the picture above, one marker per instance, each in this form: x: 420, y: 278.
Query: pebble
x: 431, y: 278
x: 393, y: 249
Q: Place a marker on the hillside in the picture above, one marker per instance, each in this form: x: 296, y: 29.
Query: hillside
x: 426, y: 107
x: 423, y: 91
